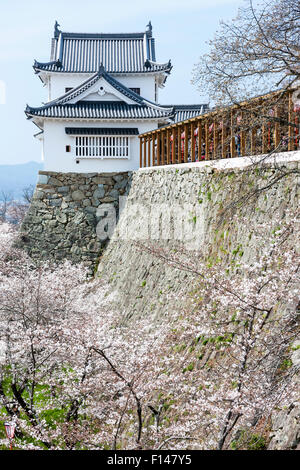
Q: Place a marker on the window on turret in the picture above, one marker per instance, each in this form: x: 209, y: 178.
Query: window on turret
x: 102, y: 147
x: 136, y: 90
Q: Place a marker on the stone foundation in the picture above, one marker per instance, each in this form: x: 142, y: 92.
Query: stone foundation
x: 61, y: 222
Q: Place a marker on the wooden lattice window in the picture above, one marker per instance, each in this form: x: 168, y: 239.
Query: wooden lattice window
x: 102, y: 146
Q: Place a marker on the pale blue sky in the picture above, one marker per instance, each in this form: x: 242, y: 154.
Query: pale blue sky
x: 181, y: 29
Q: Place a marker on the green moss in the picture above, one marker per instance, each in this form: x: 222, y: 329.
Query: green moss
x: 286, y: 364
x: 179, y: 347
x: 189, y: 368
x: 248, y: 441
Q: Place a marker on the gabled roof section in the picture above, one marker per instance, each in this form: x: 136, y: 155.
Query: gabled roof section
x: 74, y: 97
x: 119, y: 53
x: 129, y: 96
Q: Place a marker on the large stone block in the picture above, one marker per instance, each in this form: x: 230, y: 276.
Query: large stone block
x: 62, y: 216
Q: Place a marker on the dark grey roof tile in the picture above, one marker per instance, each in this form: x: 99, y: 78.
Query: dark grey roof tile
x: 119, y: 53
x: 98, y: 110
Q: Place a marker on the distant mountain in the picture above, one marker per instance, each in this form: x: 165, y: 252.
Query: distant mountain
x: 13, y: 178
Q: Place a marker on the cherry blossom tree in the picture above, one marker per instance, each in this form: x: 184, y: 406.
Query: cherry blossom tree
x: 77, y: 374
x: 254, y: 53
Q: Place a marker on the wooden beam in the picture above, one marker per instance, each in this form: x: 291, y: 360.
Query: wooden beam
x: 264, y: 146
x: 215, y: 138
x: 232, y: 138
x: 179, y: 158
x: 192, y: 142
x: 243, y: 135
x: 141, y: 152
x: 199, y: 140
x: 206, y: 140
x: 253, y: 141
x: 153, y: 149
x: 168, y: 146
x: 163, y: 143
x: 276, y: 129
x: 173, y: 145
x: 145, y: 152
x: 149, y: 150
x: 158, y: 148
x: 186, y: 142
x: 291, y: 145
x: 223, y: 136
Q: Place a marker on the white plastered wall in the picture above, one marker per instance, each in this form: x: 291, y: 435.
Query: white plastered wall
x: 58, y: 82
x: 57, y: 159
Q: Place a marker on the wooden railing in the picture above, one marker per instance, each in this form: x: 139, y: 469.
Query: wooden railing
x: 269, y: 123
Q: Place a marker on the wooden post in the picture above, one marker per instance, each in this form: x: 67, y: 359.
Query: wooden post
x: 243, y: 136
x: 253, y: 141
x: 215, y: 134
x: 232, y: 139
x: 158, y: 149
x: 179, y: 144
x: 163, y: 147
x: 168, y: 146
x: 291, y: 145
x: 153, y: 149
x: 149, y: 150
x: 145, y: 151
x: 186, y: 142
x: 206, y: 140
x: 141, y: 152
x: 199, y: 141
x: 264, y: 147
x: 173, y: 145
x: 192, y: 142
x: 276, y: 129
x: 223, y: 137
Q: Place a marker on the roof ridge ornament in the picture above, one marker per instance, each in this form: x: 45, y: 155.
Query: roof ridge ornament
x: 147, y: 64
x: 56, y: 30
x: 149, y: 28
x: 101, y: 69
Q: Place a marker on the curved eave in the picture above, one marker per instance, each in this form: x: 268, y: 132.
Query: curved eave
x: 141, y: 114
x: 51, y: 68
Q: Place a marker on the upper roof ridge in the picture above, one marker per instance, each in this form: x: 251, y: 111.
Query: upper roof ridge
x: 121, y: 53
x: 121, y: 35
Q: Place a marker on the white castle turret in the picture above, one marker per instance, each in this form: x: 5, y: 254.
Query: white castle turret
x: 103, y: 92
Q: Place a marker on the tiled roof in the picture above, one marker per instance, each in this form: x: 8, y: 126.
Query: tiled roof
x: 188, y: 111
x: 98, y: 110
x: 119, y: 53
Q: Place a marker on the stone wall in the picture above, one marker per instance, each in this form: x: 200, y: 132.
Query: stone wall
x: 202, y: 192
x: 61, y: 222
